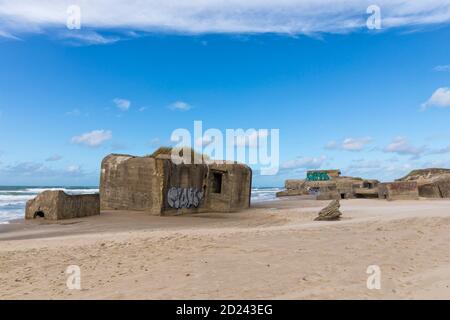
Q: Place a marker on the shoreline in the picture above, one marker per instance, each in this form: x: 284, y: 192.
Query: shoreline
x: 13, y: 198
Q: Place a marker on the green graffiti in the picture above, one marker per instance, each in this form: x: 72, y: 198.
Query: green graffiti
x: 318, y: 176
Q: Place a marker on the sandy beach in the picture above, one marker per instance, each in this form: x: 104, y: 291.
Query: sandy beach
x: 273, y: 251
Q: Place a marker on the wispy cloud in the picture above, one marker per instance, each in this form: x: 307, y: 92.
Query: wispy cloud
x: 180, y: 105
x: 39, y: 170
x: 401, y: 146
x: 304, y: 163
x: 216, y: 16
x: 440, y: 150
x: 54, y: 158
x: 7, y: 35
x: 122, y: 104
x: 93, y: 139
x: 80, y: 37
x: 440, y: 98
x: 442, y: 68
x: 73, y: 113
x: 349, y: 144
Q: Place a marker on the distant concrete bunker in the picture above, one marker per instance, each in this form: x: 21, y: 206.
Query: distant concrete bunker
x: 329, y: 184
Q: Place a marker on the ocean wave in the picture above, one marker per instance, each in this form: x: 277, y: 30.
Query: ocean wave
x: 264, y: 194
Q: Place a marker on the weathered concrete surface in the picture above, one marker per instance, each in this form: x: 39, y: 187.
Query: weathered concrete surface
x: 160, y: 187
x: 328, y: 196
x: 57, y: 205
x: 437, y: 187
x: 294, y: 184
x: 131, y: 183
x: 330, y: 212
x: 432, y: 183
x: 233, y: 193
x: 289, y: 193
x: 365, y: 193
x: 399, y: 190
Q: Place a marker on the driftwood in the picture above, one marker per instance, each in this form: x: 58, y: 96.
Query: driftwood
x: 331, y: 212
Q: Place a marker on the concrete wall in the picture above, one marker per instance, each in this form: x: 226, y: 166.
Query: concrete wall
x: 57, y: 205
x: 294, y: 184
x: 198, y: 184
x: 437, y: 187
x: 131, y: 183
x: 404, y: 190
x: 430, y: 190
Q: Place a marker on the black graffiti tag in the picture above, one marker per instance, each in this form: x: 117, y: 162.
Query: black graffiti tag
x: 184, y: 197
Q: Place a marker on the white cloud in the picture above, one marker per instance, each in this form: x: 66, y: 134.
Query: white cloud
x: 349, y: 144
x: 93, y: 139
x: 181, y: 106
x: 89, y: 37
x: 4, y: 34
x: 27, y: 169
x: 217, y: 16
x: 440, y: 98
x: 34, y: 170
x: 401, y: 146
x: 441, y: 150
x: 73, y: 113
x: 53, y: 158
x: 122, y: 104
x: 304, y: 163
x: 73, y: 169
x: 442, y: 68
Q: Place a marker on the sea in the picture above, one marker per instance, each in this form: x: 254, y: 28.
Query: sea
x: 13, y: 199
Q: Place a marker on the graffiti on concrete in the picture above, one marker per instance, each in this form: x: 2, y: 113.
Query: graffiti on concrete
x: 318, y: 176
x: 313, y: 191
x: 184, y: 197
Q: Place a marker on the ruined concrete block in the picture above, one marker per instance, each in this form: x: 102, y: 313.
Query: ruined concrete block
x: 399, y: 190
x: 294, y: 184
x: 328, y: 196
x: 330, y: 212
x: 57, y: 205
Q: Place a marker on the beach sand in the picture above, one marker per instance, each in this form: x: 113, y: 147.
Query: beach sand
x: 273, y: 251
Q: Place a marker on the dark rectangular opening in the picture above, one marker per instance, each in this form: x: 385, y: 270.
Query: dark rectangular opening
x: 217, y: 182
x: 342, y: 195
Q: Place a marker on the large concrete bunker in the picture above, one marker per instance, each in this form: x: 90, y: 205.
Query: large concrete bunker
x: 159, y: 187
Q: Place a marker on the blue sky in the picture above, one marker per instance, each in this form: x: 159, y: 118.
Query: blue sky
x: 372, y: 103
